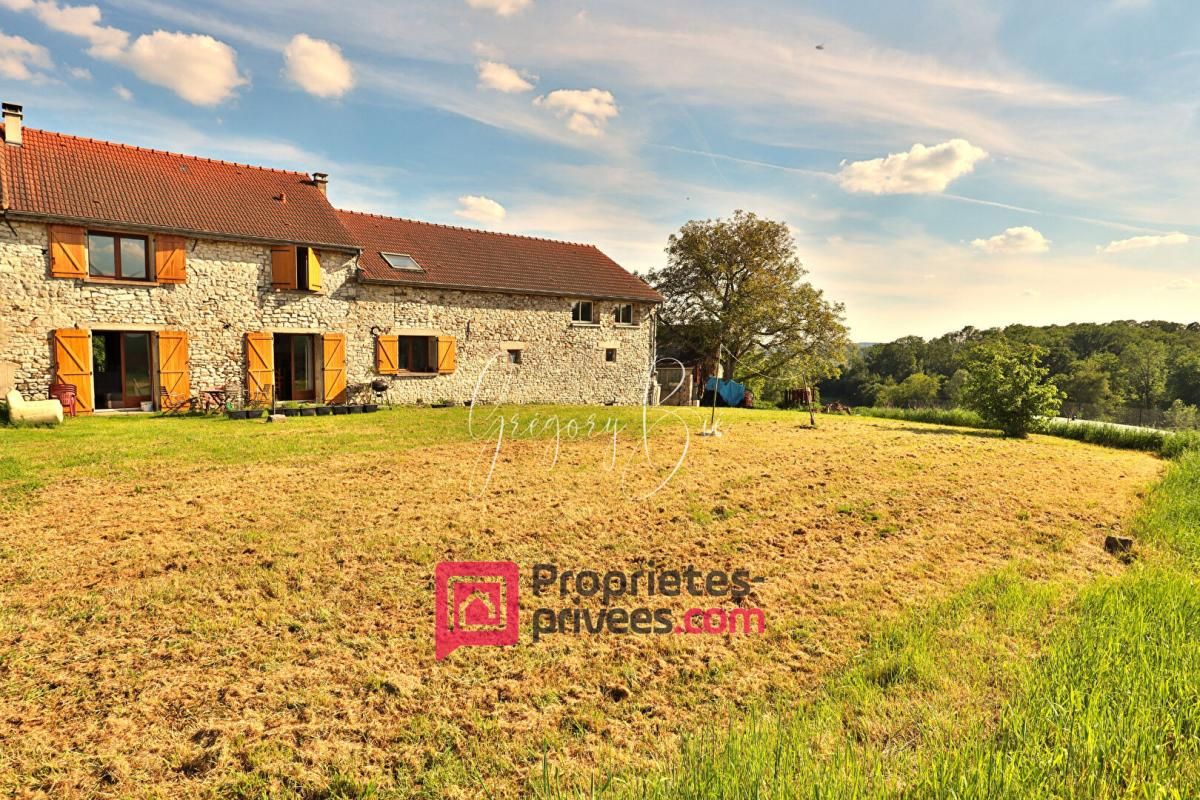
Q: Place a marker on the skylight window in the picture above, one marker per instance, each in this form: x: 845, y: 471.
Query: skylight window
x: 401, y: 261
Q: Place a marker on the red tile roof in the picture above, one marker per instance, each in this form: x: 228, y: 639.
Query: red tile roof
x: 60, y: 176
x: 464, y: 258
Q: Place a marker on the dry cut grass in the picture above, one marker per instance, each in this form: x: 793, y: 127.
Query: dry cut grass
x: 206, y: 625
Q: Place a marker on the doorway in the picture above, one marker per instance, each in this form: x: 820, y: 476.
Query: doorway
x: 295, y: 367
x: 121, y: 369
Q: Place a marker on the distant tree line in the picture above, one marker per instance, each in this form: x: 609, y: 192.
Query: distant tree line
x: 1139, y: 372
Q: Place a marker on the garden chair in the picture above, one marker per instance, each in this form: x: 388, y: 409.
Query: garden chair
x: 172, y: 405
x: 66, y: 394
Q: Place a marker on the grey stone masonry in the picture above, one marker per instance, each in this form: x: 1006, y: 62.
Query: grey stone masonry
x: 228, y: 294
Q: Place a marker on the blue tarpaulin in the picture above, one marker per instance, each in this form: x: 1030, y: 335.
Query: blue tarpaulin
x: 731, y: 393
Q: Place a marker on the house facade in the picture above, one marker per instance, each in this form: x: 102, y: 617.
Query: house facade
x: 144, y: 276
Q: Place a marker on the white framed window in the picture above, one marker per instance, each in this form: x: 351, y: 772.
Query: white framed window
x: 402, y: 261
x: 623, y: 314
x: 583, y: 312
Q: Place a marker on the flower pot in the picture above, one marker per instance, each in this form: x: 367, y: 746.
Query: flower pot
x: 255, y: 413
x: 341, y: 410
x: 308, y: 412
x: 324, y: 411
x: 355, y: 409
x: 370, y: 408
x: 148, y: 405
x: 290, y: 412
x: 237, y: 414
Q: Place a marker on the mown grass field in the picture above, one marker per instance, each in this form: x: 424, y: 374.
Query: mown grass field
x: 205, y: 608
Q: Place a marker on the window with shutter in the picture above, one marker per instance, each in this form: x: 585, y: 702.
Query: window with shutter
x: 283, y: 268
x: 68, y: 252
x: 170, y: 259
x: 447, y: 354
x: 387, y: 355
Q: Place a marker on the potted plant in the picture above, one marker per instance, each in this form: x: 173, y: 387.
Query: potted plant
x: 324, y: 411
x: 308, y: 410
x: 355, y: 409
x: 341, y: 410
x: 237, y: 413
x: 290, y: 409
x: 443, y: 403
x: 255, y: 413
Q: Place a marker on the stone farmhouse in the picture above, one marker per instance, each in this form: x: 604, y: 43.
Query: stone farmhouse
x: 146, y: 276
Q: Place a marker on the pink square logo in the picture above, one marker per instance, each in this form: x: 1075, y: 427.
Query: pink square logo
x: 476, y: 605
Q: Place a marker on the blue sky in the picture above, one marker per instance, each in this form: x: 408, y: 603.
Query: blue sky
x: 941, y: 163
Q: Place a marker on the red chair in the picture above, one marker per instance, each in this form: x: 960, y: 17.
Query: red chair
x: 65, y: 393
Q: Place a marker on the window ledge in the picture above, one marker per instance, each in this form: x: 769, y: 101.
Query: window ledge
x: 415, y: 375
x: 626, y: 325
x: 118, y: 281
x: 584, y: 324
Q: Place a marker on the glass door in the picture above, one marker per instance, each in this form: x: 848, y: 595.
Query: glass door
x: 304, y: 382
x: 135, y: 362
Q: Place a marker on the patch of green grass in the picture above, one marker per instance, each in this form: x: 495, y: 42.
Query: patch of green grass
x: 1164, y: 443
x: 956, y: 417
x: 952, y: 703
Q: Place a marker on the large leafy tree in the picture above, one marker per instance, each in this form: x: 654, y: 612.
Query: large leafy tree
x: 1006, y: 383
x: 736, y: 285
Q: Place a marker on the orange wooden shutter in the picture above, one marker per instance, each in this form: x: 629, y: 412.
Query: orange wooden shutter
x: 387, y: 355
x: 333, y: 346
x: 260, y: 368
x: 173, y: 367
x: 170, y: 259
x: 283, y: 268
x: 73, y: 364
x: 68, y: 252
x: 312, y: 270
x: 447, y: 354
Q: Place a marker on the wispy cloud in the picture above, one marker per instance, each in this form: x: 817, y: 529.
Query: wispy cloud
x: 1023, y: 240
x: 1143, y: 242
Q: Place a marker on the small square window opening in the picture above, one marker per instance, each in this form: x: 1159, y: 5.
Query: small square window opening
x: 514, y: 356
x: 610, y: 354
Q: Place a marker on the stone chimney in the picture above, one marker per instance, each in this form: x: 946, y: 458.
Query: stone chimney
x: 321, y: 181
x: 13, y: 114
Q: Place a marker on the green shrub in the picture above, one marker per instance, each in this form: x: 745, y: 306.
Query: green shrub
x: 1006, y: 383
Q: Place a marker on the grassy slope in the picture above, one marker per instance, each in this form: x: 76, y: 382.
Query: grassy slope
x: 1109, y: 708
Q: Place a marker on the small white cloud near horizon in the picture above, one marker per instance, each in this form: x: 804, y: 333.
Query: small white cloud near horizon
x: 20, y: 58
x: 502, y: 78
x: 317, y: 66
x: 1023, y: 239
x: 586, y: 110
x: 478, y: 208
x: 1141, y: 242
x: 123, y: 93
x: 922, y: 170
x: 502, y: 8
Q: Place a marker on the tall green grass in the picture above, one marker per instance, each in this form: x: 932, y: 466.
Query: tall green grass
x: 1164, y: 443
x: 1109, y: 708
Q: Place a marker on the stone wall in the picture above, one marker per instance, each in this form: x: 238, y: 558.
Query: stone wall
x: 228, y: 294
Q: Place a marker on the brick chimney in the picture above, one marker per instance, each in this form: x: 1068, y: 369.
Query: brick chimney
x: 321, y: 181
x: 13, y: 114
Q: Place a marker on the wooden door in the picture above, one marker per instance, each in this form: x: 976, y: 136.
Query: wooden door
x: 73, y: 364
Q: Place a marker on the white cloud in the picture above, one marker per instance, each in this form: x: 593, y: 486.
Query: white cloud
x: 501, y: 77
x: 318, y: 67
x: 19, y: 57
x: 80, y: 73
x: 82, y: 21
x: 123, y: 93
x: 586, y: 111
x: 196, y: 67
x: 919, y: 171
x: 480, y: 209
x: 503, y: 8
x: 1140, y: 242
x: 1014, y: 240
